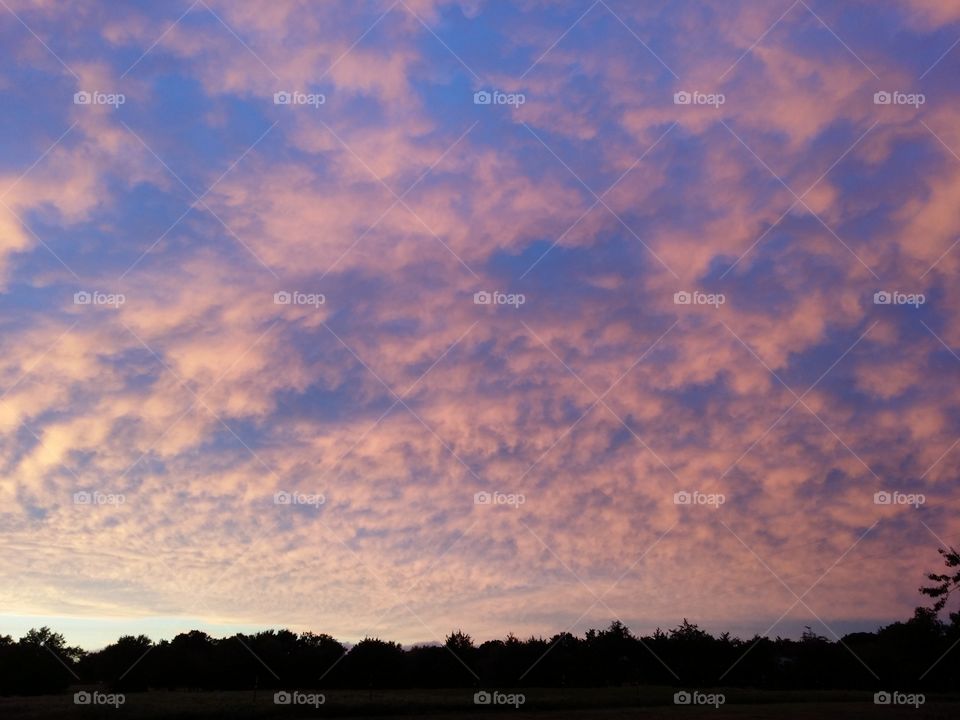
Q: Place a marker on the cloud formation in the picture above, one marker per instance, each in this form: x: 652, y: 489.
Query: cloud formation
x: 712, y: 260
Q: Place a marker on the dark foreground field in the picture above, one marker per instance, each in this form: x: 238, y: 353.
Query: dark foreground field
x: 606, y: 704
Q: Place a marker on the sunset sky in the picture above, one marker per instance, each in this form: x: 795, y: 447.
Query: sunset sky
x: 249, y: 377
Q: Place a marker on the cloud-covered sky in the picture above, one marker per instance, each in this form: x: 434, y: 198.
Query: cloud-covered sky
x: 390, y: 318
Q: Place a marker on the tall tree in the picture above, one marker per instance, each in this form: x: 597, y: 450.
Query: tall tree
x: 946, y: 583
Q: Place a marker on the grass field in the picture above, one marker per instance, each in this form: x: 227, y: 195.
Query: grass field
x: 606, y: 704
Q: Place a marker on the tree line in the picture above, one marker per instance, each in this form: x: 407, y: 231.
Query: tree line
x: 902, y: 655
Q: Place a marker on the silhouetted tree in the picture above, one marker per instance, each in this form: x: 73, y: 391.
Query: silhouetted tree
x: 318, y: 657
x: 40, y: 662
x: 375, y: 663
x: 460, y: 658
x: 946, y: 583
x: 908, y: 655
x: 120, y: 664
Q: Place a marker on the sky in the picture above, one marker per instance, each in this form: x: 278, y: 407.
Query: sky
x: 393, y: 318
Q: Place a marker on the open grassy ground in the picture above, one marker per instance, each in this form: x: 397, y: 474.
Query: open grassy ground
x: 605, y: 704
